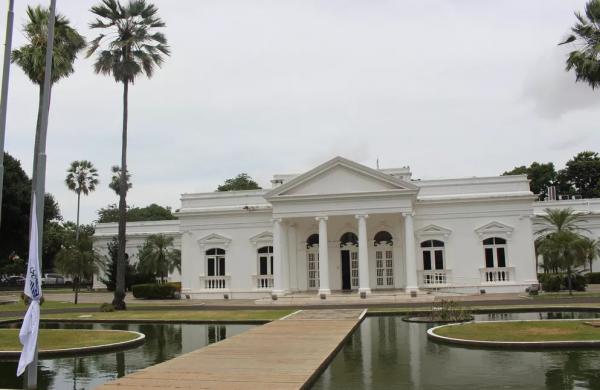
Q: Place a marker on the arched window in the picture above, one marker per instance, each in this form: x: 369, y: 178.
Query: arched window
x: 215, y: 262
x: 495, y: 252
x: 433, y: 255
x: 265, y: 260
x: 312, y: 261
x: 348, y: 238
x: 384, y: 259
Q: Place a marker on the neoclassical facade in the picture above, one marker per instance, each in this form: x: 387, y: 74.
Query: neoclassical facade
x: 345, y: 227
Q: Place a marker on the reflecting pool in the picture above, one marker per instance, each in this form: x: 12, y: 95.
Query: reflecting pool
x: 387, y: 353
x: 163, y: 342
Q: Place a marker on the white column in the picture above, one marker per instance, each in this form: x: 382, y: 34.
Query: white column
x: 323, y: 257
x: 410, y: 255
x: 363, y: 255
x: 277, y: 257
x: 292, y: 258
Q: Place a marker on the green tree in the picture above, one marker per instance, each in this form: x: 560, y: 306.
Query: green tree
x: 16, y: 194
x: 582, y: 174
x: 540, y: 175
x: 563, y: 249
x: 151, y: 212
x: 590, y: 250
x: 239, y: 183
x: 115, y: 180
x: 559, y: 220
x: 82, y: 178
x: 78, y: 260
x: 110, y: 270
x: 159, y: 257
x: 31, y: 57
x: 585, y: 60
x: 133, y: 47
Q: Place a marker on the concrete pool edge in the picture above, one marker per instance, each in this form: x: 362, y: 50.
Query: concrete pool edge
x: 510, y: 345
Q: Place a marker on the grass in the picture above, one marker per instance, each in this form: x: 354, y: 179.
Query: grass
x: 565, y: 295
x: 64, y: 338
x: 522, y: 331
x: 176, y: 315
x: 20, y: 306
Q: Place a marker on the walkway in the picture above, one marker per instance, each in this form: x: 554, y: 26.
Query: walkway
x: 286, y: 354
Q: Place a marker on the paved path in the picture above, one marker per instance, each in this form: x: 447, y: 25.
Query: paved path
x: 286, y: 354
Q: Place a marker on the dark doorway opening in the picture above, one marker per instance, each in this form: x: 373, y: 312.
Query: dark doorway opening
x: 346, y: 270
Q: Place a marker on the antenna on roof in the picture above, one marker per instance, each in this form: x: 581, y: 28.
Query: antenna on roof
x: 377, y: 162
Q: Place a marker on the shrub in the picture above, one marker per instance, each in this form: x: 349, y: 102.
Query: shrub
x: 107, y: 307
x: 593, y: 278
x: 154, y: 291
x: 550, y: 282
x: 578, y: 282
x: 177, y: 286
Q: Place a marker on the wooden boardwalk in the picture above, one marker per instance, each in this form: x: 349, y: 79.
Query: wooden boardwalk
x: 286, y: 354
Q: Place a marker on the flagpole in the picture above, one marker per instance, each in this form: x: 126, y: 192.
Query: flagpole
x: 40, y: 169
x: 4, y: 93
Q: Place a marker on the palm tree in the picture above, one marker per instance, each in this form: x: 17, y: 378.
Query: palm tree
x: 78, y: 260
x: 591, y: 250
x: 31, y: 57
x: 132, y: 47
x: 157, y: 256
x: 82, y: 178
x: 585, y: 59
x: 115, y: 181
x: 559, y: 220
x: 563, y: 249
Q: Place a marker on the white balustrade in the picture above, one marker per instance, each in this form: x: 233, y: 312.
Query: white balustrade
x: 215, y: 282
x: 263, y: 282
x: 497, y: 275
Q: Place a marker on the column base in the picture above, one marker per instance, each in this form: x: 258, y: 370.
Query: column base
x: 413, y: 291
x: 364, y: 290
x: 324, y: 291
x: 278, y: 293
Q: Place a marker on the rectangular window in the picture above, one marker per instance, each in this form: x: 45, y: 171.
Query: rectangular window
x: 221, y: 266
x: 501, y: 257
x: 489, y: 257
x: 211, y: 266
x: 263, y: 266
x: 426, y: 260
x: 439, y: 260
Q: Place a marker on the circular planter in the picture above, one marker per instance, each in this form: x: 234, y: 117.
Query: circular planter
x: 514, y: 345
x: 429, y: 320
x: 139, y: 339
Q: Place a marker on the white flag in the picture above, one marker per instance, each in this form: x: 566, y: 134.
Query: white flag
x: 33, y: 289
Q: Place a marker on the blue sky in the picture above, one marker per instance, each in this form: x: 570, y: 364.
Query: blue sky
x: 452, y: 88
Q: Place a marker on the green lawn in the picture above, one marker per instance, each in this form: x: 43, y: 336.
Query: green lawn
x: 565, y: 295
x: 522, y: 331
x: 176, y: 315
x: 64, y: 338
x: 19, y: 306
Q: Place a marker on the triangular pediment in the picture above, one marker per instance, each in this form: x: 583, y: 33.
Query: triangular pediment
x: 433, y: 230
x: 264, y: 237
x: 214, y: 239
x: 340, y: 176
x: 494, y: 227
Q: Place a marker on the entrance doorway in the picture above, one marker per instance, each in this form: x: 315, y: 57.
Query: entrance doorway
x: 346, y: 284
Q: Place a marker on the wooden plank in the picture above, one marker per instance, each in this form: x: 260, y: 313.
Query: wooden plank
x: 285, y: 354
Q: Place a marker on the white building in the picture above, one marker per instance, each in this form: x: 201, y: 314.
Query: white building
x: 343, y: 226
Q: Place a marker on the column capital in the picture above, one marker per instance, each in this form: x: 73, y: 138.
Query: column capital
x: 407, y: 213
x: 278, y: 220
x: 361, y: 216
x: 321, y: 218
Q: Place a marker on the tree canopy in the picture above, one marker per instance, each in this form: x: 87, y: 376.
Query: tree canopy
x: 16, y: 195
x: 239, y: 183
x: 540, y: 175
x: 152, y: 212
x: 159, y: 257
x: 582, y: 174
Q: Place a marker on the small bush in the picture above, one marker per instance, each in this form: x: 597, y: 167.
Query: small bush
x: 578, y: 282
x: 177, y: 286
x: 551, y: 282
x: 154, y: 291
x: 107, y: 307
x: 593, y: 278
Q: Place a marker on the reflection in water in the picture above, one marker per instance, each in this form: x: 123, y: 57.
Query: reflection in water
x: 387, y: 353
x: 163, y: 342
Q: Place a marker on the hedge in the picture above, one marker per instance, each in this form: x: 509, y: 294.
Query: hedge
x: 154, y: 291
x: 593, y: 277
x: 556, y: 282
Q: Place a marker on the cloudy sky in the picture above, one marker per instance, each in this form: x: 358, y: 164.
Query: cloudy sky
x: 450, y: 87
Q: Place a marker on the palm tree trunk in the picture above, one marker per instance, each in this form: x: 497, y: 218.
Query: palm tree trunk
x: 76, y: 281
x: 119, y: 299
x: 77, y: 229
x: 569, y: 282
